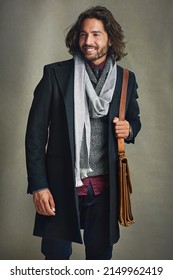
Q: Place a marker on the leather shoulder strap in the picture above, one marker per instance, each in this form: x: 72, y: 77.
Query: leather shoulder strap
x: 123, y: 95
x: 121, y: 148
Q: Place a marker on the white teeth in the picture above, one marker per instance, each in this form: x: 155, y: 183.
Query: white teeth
x: 89, y: 49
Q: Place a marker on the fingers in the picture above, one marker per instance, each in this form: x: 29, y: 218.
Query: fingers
x: 44, y: 203
x: 122, y: 128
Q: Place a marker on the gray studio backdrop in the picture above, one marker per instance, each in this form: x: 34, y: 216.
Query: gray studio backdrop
x: 32, y: 34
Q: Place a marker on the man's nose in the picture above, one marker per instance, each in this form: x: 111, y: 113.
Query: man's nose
x: 89, y: 40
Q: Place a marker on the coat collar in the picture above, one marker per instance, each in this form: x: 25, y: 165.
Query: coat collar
x: 65, y: 77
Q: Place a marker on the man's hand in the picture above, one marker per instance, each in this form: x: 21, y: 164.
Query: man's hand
x: 44, y: 203
x: 122, y: 128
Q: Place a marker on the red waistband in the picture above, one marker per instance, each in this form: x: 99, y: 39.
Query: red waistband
x: 99, y: 184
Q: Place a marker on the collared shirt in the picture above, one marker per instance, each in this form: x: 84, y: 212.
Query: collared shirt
x: 100, y: 66
x: 97, y: 69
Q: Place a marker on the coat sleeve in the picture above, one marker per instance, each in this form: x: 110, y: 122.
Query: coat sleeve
x: 37, y: 134
x: 132, y: 110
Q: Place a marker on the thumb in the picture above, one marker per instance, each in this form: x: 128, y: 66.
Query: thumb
x: 52, y: 203
x: 115, y: 120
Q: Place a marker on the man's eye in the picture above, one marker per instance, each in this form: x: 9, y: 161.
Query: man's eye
x: 82, y: 34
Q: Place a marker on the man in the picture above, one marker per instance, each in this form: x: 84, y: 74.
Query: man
x: 71, y: 140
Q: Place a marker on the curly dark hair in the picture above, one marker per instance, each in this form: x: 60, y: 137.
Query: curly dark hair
x: 113, y: 29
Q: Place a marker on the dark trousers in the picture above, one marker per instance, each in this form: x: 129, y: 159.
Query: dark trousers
x: 94, y: 218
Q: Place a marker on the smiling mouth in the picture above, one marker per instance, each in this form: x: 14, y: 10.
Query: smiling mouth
x: 89, y: 49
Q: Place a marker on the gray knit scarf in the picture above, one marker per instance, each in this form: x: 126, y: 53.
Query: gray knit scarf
x: 88, y: 104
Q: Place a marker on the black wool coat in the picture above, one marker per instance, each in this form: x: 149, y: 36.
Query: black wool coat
x: 50, y: 149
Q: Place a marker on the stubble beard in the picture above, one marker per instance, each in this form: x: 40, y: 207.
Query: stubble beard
x: 98, y: 55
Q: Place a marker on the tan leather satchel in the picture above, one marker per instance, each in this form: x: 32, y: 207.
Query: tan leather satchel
x: 125, y: 186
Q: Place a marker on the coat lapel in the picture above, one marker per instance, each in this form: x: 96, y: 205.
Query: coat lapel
x: 65, y: 78
x: 114, y: 106
x: 64, y: 75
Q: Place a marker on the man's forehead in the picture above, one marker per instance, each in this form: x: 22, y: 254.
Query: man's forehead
x: 92, y: 24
